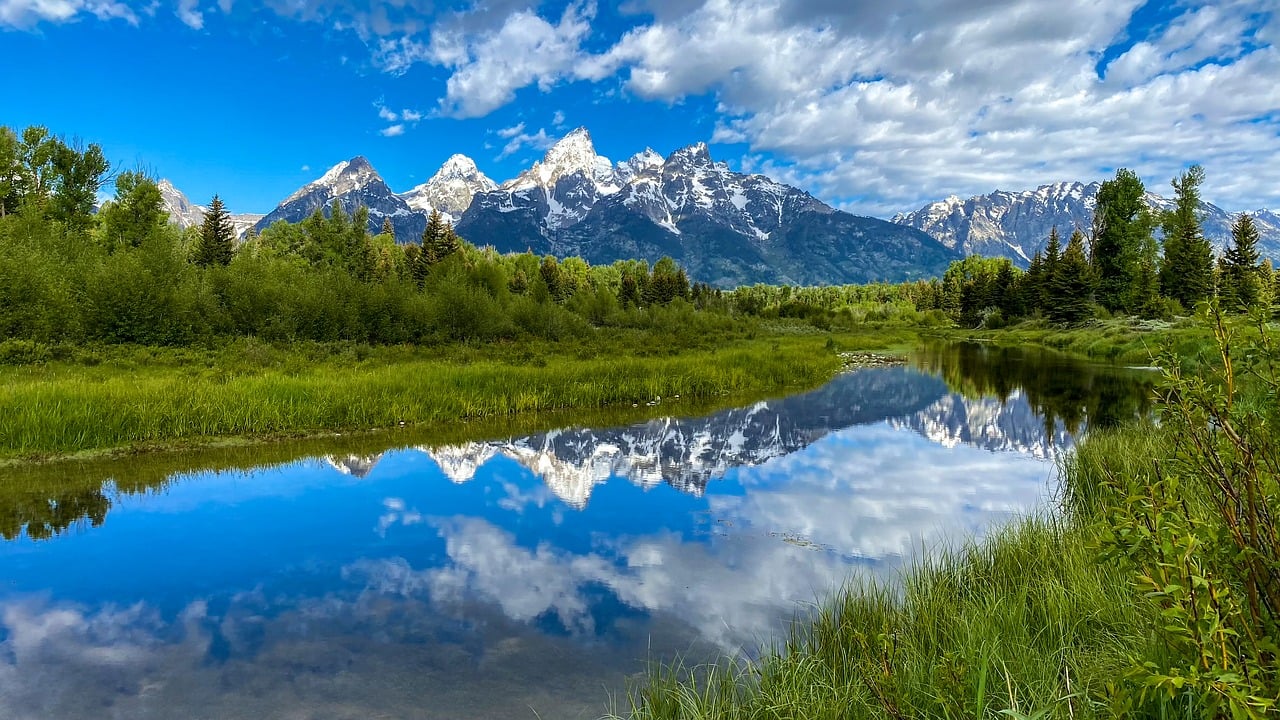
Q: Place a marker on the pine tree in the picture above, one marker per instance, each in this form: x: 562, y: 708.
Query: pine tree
x: 1186, y: 274
x: 217, y: 236
x: 1239, y: 283
x: 1071, y: 286
x: 1031, y: 287
x: 433, y: 239
x: 1121, y: 225
x: 388, y: 228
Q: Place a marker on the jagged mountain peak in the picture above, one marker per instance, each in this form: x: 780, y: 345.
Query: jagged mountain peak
x: 574, y: 153
x: 451, y: 189
x: 341, y: 179
x: 1015, y: 224
x: 643, y: 161
x: 697, y: 155
x: 458, y: 167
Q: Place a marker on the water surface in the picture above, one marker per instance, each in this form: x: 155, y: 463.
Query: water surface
x: 518, y: 577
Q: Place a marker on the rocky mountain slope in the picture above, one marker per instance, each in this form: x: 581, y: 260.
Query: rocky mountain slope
x: 185, y: 214
x: 724, y: 227
x: 1017, y: 224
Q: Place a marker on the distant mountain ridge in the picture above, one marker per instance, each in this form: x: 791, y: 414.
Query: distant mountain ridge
x: 724, y: 227
x: 183, y: 213
x: 1016, y: 224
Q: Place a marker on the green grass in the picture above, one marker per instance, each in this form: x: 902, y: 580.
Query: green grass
x: 1124, y: 340
x: 1025, y: 622
x: 143, y: 397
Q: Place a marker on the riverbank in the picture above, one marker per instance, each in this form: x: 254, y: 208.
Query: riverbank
x: 138, y: 399
x: 1151, y: 595
x: 1121, y: 340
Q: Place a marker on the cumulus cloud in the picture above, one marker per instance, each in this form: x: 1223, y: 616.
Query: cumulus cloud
x: 393, y: 130
x: 882, y: 109
x: 488, y: 67
x: 189, y: 13
x: 26, y: 14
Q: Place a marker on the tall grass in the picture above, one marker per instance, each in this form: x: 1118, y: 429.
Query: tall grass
x: 1027, y: 624
x: 59, y: 408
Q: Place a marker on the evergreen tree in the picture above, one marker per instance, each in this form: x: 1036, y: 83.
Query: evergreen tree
x: 1239, y: 278
x: 1031, y: 287
x: 1186, y: 274
x: 434, y: 241
x: 1121, y: 224
x: 217, y: 236
x: 387, y: 228
x: 1008, y: 294
x: 1071, y: 285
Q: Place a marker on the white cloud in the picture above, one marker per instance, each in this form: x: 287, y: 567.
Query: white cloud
x: 189, y: 13
x: 306, y: 168
x: 387, y: 114
x: 25, y: 14
x: 558, y: 118
x: 882, y: 110
x: 517, y: 139
x: 488, y: 67
x: 393, y: 131
x: 411, y: 115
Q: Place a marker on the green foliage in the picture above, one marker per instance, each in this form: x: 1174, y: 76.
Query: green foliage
x: 1070, y: 286
x: 1240, y: 284
x: 217, y: 237
x: 137, y: 213
x: 1186, y: 273
x: 1122, y: 228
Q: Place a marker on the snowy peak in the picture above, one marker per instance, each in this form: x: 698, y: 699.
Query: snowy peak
x: 574, y: 153
x: 1016, y: 224
x: 346, y: 177
x: 645, y: 161
x: 460, y: 167
x: 451, y: 189
x: 697, y: 155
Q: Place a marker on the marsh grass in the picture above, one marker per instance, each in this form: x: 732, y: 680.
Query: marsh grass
x: 144, y: 396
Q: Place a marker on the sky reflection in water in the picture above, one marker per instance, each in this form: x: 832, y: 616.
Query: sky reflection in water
x: 502, y: 578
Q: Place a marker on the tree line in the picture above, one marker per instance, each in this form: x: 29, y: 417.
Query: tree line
x: 122, y: 273
x: 1119, y: 267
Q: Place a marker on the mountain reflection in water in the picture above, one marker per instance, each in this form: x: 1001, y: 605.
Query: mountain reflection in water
x: 482, y: 579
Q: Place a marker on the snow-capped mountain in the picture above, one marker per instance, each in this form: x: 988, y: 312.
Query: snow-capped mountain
x: 724, y: 227
x: 451, y: 189
x: 1011, y: 425
x: 351, y: 184
x: 183, y: 213
x: 1017, y: 224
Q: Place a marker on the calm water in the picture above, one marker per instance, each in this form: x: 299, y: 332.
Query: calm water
x: 516, y: 578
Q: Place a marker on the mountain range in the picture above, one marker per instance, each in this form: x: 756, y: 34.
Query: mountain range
x: 726, y: 228
x: 1016, y: 224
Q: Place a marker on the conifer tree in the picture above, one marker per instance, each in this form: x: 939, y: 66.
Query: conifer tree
x: 1186, y: 274
x: 1071, y: 285
x: 388, y: 228
x: 1031, y: 288
x: 1239, y: 284
x: 217, y: 236
x: 1121, y: 225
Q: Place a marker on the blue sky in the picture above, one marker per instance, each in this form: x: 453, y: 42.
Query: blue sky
x: 870, y: 109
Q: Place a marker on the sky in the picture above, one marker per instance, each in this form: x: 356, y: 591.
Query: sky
x: 874, y: 107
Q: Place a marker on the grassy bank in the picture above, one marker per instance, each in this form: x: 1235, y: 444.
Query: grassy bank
x: 1154, y: 594
x: 1123, y: 340
x: 145, y: 397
